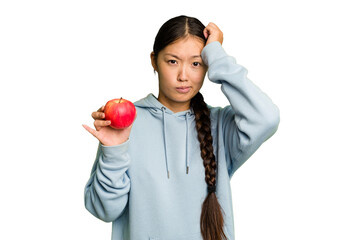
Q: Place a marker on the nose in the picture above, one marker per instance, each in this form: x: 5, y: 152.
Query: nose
x: 182, y: 75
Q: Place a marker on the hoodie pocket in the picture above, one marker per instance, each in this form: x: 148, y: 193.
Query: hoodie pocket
x: 193, y: 236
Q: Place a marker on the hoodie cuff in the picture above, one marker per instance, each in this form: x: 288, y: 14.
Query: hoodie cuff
x: 113, y: 152
x: 211, y: 52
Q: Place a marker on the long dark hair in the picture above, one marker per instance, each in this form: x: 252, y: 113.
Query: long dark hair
x: 211, y: 219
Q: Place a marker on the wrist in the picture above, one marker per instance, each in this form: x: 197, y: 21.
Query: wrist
x: 114, y: 143
x: 212, y: 51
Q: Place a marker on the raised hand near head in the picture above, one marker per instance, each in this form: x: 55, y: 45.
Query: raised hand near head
x: 213, y: 33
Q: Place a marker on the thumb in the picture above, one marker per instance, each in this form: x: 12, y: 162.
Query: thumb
x: 90, y: 130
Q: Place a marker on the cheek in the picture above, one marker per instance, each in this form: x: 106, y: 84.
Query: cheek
x: 167, y: 73
x: 166, y: 79
x: 199, y: 76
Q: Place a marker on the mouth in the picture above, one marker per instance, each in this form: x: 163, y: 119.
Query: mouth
x: 184, y: 89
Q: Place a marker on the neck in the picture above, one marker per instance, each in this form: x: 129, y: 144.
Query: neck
x: 174, y: 107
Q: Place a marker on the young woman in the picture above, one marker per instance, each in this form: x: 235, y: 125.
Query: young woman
x: 168, y: 175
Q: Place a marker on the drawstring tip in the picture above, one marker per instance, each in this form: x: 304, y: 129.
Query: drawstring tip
x: 168, y: 174
x: 187, y: 170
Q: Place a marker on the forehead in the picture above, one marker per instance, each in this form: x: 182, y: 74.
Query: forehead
x: 185, y: 47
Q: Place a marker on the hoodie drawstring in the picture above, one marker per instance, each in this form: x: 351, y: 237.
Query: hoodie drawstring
x: 165, y: 143
x: 164, y: 135
x: 187, y: 144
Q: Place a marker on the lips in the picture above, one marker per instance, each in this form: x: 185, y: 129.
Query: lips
x: 184, y: 89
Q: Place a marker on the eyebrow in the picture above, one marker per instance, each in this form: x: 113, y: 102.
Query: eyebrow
x: 173, y: 55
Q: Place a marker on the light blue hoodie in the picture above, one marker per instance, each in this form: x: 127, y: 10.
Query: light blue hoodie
x: 153, y: 185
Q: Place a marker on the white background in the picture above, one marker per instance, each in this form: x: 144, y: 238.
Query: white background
x: 61, y: 60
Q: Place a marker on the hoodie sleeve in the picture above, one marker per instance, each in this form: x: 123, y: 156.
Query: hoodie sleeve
x: 250, y: 119
x: 106, y: 192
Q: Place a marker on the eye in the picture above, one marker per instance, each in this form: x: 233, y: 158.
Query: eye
x: 172, y: 61
x: 196, y: 64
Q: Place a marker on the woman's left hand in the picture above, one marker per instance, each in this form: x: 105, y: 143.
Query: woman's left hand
x: 212, y: 33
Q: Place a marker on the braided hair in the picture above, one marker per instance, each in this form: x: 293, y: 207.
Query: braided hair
x: 211, y: 219
x: 211, y: 216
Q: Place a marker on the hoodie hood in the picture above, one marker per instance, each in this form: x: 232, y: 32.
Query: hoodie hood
x: 151, y: 103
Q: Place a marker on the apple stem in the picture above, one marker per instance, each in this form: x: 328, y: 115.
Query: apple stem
x: 120, y: 99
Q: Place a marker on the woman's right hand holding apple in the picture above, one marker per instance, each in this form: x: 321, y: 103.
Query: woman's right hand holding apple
x: 107, y: 135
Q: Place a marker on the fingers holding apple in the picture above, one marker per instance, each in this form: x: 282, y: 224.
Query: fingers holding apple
x: 99, y: 114
x: 113, y: 122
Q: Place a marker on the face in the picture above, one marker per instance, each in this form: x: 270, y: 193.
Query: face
x: 181, y: 72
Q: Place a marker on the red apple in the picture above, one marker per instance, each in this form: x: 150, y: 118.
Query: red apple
x: 120, y: 112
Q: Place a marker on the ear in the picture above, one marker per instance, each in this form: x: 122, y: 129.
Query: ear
x: 153, y: 61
